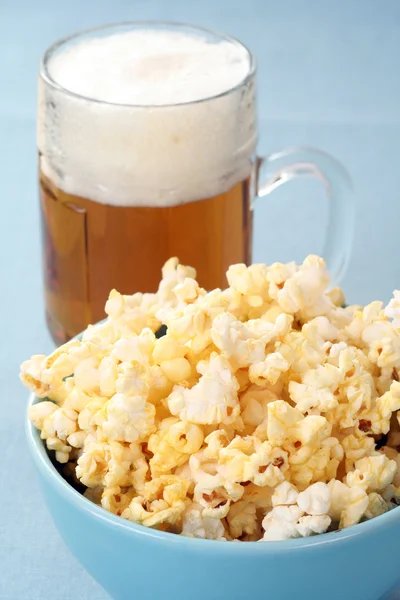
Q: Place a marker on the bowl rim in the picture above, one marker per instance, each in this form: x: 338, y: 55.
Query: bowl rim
x: 50, y: 473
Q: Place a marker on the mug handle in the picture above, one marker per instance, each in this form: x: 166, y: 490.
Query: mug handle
x: 276, y: 169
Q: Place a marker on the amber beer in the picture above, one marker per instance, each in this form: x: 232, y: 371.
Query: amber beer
x: 157, y: 163
x: 91, y: 248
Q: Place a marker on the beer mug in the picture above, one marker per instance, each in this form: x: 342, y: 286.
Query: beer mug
x: 147, y: 136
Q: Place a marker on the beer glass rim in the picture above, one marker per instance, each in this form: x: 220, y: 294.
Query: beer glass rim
x: 45, y: 75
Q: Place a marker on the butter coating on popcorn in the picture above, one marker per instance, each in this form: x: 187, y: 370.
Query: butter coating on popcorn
x: 267, y: 411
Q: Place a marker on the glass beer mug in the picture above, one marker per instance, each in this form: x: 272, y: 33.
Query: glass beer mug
x: 147, y: 138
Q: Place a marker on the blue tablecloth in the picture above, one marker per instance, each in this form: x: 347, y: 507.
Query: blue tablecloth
x: 328, y: 76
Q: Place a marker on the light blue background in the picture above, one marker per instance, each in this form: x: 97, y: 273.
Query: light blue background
x: 329, y: 76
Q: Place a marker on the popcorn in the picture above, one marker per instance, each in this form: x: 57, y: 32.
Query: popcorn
x: 386, y: 405
x: 168, y: 348
x: 244, y: 344
x: 310, y: 525
x: 254, y: 402
x: 270, y: 369
x: 108, y: 374
x: 261, y: 497
x: 392, y: 311
x: 129, y: 315
x: 360, y: 479
x: 215, y: 441
x: 40, y: 414
x: 57, y: 426
x: 356, y: 505
x: 177, y: 369
x: 286, y: 424
x: 92, y: 464
x: 339, y: 498
x: 249, y: 281
x: 376, y: 506
x: 248, y: 459
x: 169, y: 487
x: 281, y: 419
x: 356, y: 447
x: 285, y: 494
x: 380, y: 468
x: 86, y: 375
x: 317, y: 389
x: 91, y: 414
x: 62, y: 450
x: 34, y: 377
x: 185, y: 437
x: 137, y: 348
x: 213, y: 399
x: 172, y: 444
x: 78, y: 400
x: 164, y: 502
x: 64, y: 422
x: 315, y: 500
x: 391, y: 494
x: 194, y: 524
x: 309, y: 465
x: 281, y: 523
x: 152, y: 514
x: 45, y: 375
x: 192, y: 324
x: 267, y: 411
x: 304, y: 289
x: 116, y: 501
x: 362, y: 319
x: 174, y: 276
x: 212, y: 489
x: 242, y: 519
x: 337, y: 296
x: 128, y: 418
x: 77, y: 439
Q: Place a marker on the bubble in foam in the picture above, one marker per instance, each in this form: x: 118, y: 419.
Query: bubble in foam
x: 149, y: 143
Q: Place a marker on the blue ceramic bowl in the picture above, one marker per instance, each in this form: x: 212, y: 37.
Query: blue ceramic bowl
x: 131, y: 561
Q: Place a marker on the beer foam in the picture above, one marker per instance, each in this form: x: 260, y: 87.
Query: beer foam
x: 147, y: 123
x: 150, y: 68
